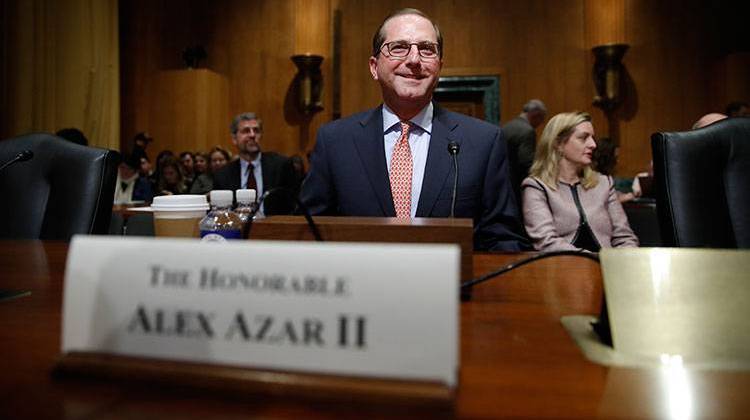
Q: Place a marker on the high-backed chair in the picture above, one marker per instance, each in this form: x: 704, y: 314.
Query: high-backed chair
x: 644, y: 221
x: 703, y: 185
x: 63, y: 190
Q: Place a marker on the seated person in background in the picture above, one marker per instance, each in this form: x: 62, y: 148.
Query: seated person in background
x: 635, y: 187
x: 73, y: 135
x: 566, y: 204
x: 260, y: 171
x: 170, y: 178
x: 145, y: 168
x: 738, y: 109
x: 164, y: 154
x: 520, y: 133
x: 131, y: 186
x: 201, y: 163
x: 142, y: 140
x: 708, y: 119
x: 212, y: 162
x: 605, y: 160
x: 187, y: 160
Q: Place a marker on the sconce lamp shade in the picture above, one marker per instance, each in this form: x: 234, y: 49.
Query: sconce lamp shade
x: 607, y: 74
x: 308, y: 83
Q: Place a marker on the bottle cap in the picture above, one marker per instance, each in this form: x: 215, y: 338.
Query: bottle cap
x: 246, y: 196
x: 222, y: 198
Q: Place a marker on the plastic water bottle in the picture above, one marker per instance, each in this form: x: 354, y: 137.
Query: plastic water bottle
x: 221, y: 223
x: 246, y: 205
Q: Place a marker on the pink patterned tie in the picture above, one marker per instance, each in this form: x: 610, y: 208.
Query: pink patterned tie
x: 401, y: 172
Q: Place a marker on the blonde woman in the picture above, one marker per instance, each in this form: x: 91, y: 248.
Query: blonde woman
x: 566, y: 204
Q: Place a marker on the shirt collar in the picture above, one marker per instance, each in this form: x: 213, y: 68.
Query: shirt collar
x: 422, y: 120
x: 255, y: 162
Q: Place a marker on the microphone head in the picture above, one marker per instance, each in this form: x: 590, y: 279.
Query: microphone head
x: 25, y: 155
x: 453, y: 148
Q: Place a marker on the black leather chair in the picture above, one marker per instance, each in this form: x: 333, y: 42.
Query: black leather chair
x: 703, y: 185
x: 63, y: 190
x: 644, y: 221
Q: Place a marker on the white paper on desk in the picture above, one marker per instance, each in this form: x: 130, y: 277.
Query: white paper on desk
x: 388, y: 311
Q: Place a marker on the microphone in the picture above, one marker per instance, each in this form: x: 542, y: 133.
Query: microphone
x: 21, y: 157
x: 453, y: 149
x: 300, y: 205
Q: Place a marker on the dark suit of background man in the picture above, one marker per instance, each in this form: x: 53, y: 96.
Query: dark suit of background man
x: 269, y: 170
x: 354, y: 158
x: 521, y: 136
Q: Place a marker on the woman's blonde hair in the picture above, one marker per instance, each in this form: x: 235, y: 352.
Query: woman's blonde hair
x: 558, y: 130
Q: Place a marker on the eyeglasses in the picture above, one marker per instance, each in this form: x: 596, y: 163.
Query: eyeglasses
x: 246, y: 130
x: 401, y: 49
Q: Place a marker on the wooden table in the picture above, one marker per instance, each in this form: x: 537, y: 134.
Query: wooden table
x: 516, y: 358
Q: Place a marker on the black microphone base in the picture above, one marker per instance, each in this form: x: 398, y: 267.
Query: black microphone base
x: 466, y: 294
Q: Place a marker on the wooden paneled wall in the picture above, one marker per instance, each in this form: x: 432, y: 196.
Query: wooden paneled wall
x: 541, y: 46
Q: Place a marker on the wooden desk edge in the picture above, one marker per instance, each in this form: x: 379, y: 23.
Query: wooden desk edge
x: 243, y: 380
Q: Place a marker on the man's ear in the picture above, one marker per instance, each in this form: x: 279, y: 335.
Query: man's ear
x: 373, y: 62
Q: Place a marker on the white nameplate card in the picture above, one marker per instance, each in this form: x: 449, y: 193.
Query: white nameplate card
x: 375, y: 310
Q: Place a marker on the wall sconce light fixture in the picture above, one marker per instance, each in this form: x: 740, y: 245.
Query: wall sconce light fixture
x: 193, y: 55
x: 308, y: 83
x: 608, y: 71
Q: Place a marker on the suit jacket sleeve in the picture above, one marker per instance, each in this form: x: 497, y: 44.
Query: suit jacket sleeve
x: 498, y: 228
x: 317, y: 189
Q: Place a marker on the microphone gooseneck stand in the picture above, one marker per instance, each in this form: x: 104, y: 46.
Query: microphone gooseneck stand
x: 453, y: 149
x: 21, y: 157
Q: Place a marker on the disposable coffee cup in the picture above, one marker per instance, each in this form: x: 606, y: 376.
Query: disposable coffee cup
x: 179, y: 215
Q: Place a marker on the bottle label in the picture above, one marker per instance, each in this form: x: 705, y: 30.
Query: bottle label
x: 220, y: 235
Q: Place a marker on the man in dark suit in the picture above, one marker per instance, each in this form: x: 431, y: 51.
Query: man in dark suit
x: 521, y: 137
x: 394, y: 160
x: 261, y: 171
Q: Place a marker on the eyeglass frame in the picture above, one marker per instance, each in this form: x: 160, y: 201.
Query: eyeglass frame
x: 389, y: 54
x: 247, y: 129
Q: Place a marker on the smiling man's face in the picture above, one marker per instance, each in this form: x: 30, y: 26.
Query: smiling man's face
x: 407, y: 83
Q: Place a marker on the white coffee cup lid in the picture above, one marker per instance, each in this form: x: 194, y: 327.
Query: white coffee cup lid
x: 185, y: 202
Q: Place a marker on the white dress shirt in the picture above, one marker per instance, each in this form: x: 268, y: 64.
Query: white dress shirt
x: 420, y: 133
x: 125, y: 196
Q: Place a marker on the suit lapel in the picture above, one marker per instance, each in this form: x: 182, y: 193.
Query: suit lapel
x: 369, y: 144
x: 439, y: 164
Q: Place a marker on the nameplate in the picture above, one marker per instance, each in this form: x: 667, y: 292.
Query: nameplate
x: 368, y: 310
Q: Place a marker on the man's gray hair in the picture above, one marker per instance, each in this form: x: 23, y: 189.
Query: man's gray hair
x: 245, y: 116
x: 535, y: 105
